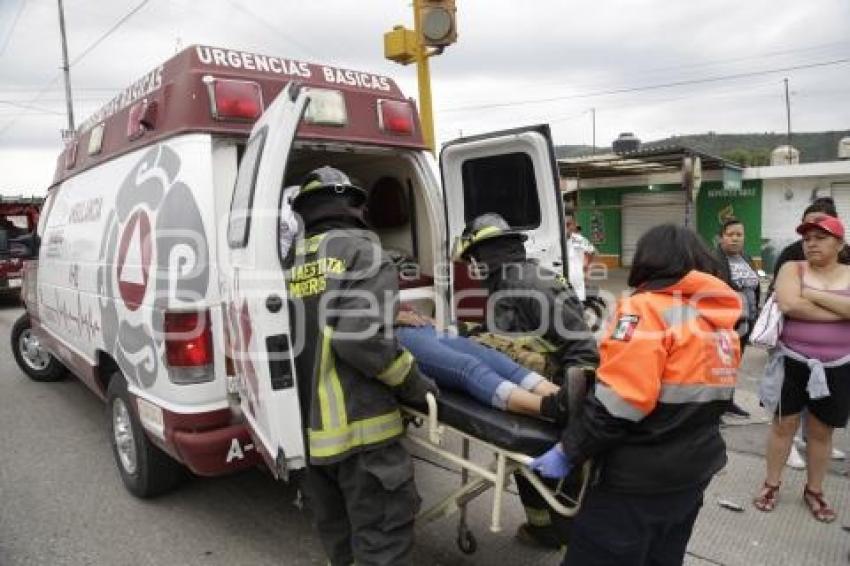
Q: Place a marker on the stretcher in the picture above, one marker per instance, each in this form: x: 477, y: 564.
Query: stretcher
x: 513, y: 440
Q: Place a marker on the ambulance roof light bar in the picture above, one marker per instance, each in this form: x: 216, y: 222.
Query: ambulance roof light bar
x: 326, y: 108
x: 234, y: 100
x: 396, y: 117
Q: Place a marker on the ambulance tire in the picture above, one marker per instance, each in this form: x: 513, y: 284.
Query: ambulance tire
x: 145, y: 469
x: 34, y: 360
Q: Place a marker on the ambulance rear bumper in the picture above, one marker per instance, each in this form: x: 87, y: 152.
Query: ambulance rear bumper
x: 209, y: 444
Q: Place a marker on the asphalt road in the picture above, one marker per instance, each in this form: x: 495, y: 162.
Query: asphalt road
x: 62, y: 501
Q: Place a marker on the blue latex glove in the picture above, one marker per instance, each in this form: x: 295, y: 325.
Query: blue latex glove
x: 553, y: 464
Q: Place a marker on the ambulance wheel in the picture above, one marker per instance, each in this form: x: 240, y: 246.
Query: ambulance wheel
x: 145, y: 470
x: 31, y: 356
x: 466, y: 542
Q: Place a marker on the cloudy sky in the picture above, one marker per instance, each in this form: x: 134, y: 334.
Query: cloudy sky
x: 653, y: 67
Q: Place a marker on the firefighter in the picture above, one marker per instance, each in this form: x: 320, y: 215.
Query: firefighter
x: 652, y: 423
x: 343, y: 293
x: 530, y: 299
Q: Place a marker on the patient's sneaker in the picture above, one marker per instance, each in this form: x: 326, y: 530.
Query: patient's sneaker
x: 543, y: 537
x: 555, y: 406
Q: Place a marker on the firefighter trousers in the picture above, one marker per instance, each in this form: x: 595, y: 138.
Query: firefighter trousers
x: 545, y: 526
x: 363, y: 507
x: 621, y: 529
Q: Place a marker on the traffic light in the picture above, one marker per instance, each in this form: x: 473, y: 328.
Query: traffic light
x: 437, y: 22
x: 400, y: 45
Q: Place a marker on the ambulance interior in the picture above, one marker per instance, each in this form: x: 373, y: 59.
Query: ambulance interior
x: 399, y: 208
x: 406, y: 213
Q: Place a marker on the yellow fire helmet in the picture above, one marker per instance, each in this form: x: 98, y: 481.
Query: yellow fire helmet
x: 328, y: 178
x: 483, y: 228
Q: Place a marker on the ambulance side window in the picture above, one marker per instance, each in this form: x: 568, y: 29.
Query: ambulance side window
x: 45, y: 210
x: 239, y: 224
x: 504, y: 184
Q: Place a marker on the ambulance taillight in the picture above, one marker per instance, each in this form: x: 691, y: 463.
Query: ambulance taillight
x: 233, y: 99
x: 188, y: 346
x: 395, y: 117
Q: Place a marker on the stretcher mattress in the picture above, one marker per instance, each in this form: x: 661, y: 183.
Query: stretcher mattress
x: 517, y: 433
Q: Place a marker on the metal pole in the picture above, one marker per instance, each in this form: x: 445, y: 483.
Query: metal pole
x: 788, y: 118
x: 426, y: 116
x: 593, y: 114
x: 66, y: 68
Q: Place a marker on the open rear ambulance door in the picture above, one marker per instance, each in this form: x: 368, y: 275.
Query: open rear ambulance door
x: 257, y: 324
x: 512, y: 173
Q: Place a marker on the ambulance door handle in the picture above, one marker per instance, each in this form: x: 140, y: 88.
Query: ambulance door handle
x: 274, y: 303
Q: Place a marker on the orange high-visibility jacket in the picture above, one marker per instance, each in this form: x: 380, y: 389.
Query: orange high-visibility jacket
x: 668, y: 368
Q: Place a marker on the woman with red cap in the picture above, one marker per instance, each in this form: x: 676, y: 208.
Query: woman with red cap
x: 810, y: 367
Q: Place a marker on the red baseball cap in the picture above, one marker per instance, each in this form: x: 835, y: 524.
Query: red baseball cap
x: 826, y: 223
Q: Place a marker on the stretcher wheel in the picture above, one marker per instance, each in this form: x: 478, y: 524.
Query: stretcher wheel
x: 466, y: 542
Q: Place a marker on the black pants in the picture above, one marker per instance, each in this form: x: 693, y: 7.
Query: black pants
x: 547, y: 526
x: 364, y: 507
x: 617, y: 529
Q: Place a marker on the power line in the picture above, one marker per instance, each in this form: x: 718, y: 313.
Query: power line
x: 756, y: 56
x: 241, y: 8
x: 109, y: 32
x: 26, y: 106
x: 12, y: 28
x: 76, y: 60
x: 633, y: 103
x: 647, y: 87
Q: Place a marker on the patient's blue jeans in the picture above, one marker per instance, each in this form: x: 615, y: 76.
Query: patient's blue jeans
x: 455, y: 362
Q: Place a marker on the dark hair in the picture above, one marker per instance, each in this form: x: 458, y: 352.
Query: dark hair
x: 822, y: 204
x: 731, y: 221
x: 669, y: 251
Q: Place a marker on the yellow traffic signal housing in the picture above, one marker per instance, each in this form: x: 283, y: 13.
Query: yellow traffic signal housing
x: 438, y: 22
x: 400, y: 45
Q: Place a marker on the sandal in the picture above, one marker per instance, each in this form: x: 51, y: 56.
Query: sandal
x: 766, y: 500
x: 820, y: 509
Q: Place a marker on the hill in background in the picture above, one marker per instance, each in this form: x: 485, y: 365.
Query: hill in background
x: 745, y: 149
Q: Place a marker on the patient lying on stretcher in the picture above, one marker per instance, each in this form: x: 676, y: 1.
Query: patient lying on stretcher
x: 490, y: 377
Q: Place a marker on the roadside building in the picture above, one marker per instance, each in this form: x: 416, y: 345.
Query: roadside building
x: 787, y: 190
x: 618, y: 196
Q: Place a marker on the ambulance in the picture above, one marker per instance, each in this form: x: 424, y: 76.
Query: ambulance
x: 159, y: 283
x: 18, y: 220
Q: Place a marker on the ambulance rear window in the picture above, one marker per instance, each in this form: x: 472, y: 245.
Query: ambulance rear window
x: 504, y: 184
x: 239, y: 224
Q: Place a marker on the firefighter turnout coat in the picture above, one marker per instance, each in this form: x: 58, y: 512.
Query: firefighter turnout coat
x: 531, y: 299
x: 667, y: 373
x: 343, y: 296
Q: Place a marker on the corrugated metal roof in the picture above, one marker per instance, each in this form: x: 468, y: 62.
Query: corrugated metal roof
x: 644, y: 161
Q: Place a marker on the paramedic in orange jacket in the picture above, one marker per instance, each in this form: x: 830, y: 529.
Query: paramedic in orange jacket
x: 652, y: 425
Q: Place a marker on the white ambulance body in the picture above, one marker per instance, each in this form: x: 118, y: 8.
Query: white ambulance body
x: 159, y: 281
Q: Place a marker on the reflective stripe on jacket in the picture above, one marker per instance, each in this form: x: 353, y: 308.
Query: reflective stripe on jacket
x: 343, y: 294
x: 667, y: 372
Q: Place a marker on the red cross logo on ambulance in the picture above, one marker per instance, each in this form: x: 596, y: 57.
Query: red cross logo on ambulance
x: 134, y: 259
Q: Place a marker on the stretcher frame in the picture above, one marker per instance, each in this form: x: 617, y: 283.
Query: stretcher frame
x: 505, y: 462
